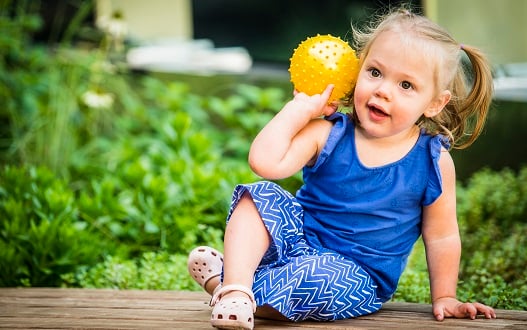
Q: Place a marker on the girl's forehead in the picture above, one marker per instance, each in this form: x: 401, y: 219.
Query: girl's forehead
x: 406, y: 45
x: 400, y: 40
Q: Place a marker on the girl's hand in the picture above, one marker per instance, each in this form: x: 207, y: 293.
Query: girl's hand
x: 317, y: 105
x: 293, y: 137
x: 451, y: 307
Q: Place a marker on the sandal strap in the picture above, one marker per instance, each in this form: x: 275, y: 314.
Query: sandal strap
x: 230, y: 288
x: 216, y: 289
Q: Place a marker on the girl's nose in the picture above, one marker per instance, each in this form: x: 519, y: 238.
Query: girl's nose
x: 383, y: 90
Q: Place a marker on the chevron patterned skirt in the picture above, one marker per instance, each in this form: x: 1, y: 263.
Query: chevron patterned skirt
x: 303, y: 282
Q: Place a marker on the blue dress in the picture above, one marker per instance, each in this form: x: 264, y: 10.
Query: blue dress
x: 340, y: 245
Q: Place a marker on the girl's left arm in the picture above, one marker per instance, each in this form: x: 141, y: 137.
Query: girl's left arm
x: 443, y: 250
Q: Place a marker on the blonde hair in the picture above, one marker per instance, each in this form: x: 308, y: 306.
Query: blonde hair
x: 463, y: 118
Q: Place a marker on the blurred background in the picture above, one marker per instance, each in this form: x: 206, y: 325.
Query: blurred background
x: 252, y: 41
x: 269, y: 30
x: 125, y: 124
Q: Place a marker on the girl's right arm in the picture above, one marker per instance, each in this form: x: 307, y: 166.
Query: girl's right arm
x: 292, y: 138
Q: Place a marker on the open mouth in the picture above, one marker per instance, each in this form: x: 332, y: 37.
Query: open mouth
x: 377, y: 111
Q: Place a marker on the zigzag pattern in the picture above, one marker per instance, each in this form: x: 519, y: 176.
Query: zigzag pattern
x: 296, y: 279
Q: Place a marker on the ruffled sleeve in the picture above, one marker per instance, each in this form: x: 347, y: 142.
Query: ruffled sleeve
x: 434, y: 187
x: 340, y: 125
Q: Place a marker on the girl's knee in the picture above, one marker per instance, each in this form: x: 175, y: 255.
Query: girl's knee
x: 245, y: 199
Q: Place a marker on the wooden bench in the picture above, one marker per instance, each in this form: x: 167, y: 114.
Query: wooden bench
x: 55, y: 308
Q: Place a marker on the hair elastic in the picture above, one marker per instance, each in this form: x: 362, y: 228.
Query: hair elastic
x: 461, y: 46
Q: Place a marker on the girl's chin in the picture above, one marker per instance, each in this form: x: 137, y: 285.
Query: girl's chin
x: 371, y: 131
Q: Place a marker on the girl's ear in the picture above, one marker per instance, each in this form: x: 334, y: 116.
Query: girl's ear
x: 438, y: 104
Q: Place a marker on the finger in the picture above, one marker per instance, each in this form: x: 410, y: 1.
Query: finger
x: 301, y: 96
x: 327, y: 92
x: 330, y: 109
x: 493, y: 314
x: 439, y: 314
x: 470, y: 310
x: 485, y: 310
x: 490, y: 314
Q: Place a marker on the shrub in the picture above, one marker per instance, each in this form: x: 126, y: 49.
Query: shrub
x: 493, y: 222
x: 41, y: 236
x: 492, y: 211
x: 152, y: 271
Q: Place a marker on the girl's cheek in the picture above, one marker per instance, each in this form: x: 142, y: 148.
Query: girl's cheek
x: 359, y: 92
x: 357, y: 97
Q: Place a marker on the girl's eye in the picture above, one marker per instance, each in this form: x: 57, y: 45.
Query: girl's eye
x: 375, y: 73
x: 406, y: 85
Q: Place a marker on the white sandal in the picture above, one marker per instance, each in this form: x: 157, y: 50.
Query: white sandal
x: 233, y: 312
x: 205, y: 263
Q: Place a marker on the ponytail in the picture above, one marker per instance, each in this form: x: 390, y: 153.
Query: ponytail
x: 471, y: 109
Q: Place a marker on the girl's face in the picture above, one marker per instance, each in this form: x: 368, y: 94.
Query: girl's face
x: 395, y: 87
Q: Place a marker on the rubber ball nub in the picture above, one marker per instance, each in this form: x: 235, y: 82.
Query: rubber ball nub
x: 322, y: 60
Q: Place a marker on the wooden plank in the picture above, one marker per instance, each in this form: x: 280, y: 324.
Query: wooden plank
x: 55, y: 308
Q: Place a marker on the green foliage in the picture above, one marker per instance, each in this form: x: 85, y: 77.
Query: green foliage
x: 142, y: 174
x: 40, y: 235
x: 499, y: 198
x: 414, y: 285
x: 242, y: 114
x: 492, y: 211
x: 17, y: 26
x: 159, y: 184
x: 493, y: 289
x: 38, y: 91
x: 152, y: 271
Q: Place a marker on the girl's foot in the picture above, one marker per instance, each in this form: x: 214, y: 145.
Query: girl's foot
x: 233, y: 311
x: 205, y: 265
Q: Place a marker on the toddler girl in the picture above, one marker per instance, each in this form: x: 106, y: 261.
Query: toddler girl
x: 374, y: 181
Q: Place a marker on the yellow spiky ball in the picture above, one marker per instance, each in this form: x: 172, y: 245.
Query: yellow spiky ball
x: 322, y: 60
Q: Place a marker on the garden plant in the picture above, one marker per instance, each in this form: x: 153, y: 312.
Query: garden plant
x: 109, y: 177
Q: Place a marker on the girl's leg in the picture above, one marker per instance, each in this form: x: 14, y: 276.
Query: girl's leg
x: 245, y: 243
x: 261, y: 214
